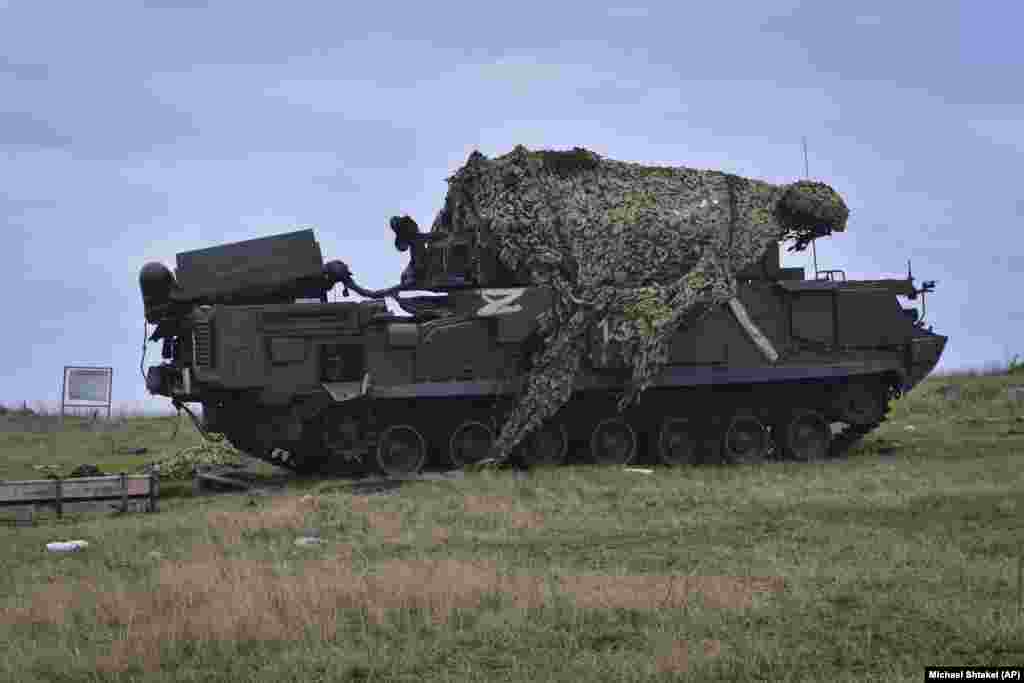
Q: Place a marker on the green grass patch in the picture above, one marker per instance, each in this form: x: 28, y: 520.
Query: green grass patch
x: 906, y: 553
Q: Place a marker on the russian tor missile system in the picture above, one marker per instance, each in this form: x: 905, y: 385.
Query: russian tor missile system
x: 580, y: 309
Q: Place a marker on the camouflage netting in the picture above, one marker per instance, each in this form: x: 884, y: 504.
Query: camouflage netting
x: 639, y: 250
x: 214, y: 450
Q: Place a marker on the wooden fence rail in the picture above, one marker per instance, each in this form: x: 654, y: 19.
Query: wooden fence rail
x: 115, y: 493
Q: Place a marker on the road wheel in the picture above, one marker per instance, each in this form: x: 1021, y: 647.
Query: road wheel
x: 613, y: 442
x: 679, y: 442
x: 806, y: 436
x: 547, y: 445
x: 402, y: 450
x: 470, y: 443
x: 745, y: 440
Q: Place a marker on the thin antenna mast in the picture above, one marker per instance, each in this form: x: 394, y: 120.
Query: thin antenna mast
x: 807, y: 176
x: 807, y: 173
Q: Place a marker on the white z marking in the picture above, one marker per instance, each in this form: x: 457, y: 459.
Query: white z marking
x: 500, y: 301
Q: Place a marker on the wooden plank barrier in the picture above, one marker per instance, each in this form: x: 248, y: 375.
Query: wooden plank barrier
x: 115, y: 493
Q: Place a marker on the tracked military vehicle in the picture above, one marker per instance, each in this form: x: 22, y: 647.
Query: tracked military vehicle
x: 784, y: 366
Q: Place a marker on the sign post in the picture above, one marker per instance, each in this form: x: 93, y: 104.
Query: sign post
x: 86, y: 388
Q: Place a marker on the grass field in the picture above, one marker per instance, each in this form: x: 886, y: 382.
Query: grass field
x: 907, y: 553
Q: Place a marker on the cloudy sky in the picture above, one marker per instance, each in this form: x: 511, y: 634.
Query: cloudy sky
x: 130, y: 131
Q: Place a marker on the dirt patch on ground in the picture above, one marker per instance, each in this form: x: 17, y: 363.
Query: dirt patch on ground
x: 388, y: 525
x: 439, y: 535
x: 518, y: 519
x: 210, y: 596
x: 676, y: 659
x: 666, y: 592
x: 281, y: 513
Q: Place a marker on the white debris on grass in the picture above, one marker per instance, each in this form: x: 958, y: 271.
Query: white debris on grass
x: 66, y: 546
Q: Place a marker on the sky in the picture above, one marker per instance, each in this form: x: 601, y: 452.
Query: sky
x: 130, y: 131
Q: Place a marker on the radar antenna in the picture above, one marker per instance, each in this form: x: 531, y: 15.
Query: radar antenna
x: 807, y: 176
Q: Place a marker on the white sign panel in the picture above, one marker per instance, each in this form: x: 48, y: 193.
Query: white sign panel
x: 87, y: 387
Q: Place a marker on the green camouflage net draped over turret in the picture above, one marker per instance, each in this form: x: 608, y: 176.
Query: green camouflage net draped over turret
x: 638, y: 250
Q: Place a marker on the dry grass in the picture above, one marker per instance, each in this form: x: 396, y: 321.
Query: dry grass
x: 386, y: 524
x: 212, y: 596
x: 440, y: 535
x: 283, y: 513
x: 667, y: 592
x: 503, y: 505
x: 50, y: 605
x: 677, y: 657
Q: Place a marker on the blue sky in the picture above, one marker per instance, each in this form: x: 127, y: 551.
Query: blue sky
x: 130, y: 131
